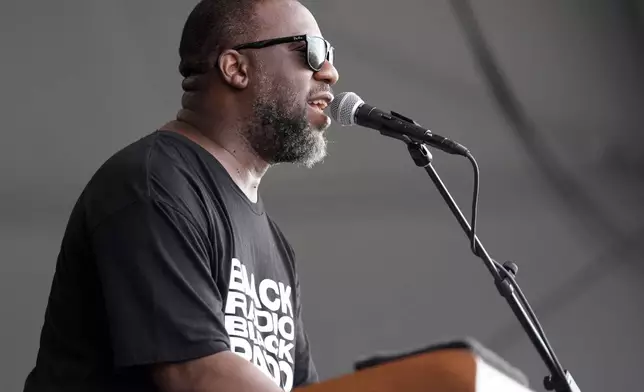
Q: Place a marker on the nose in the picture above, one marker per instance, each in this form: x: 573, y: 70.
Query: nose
x: 327, y: 74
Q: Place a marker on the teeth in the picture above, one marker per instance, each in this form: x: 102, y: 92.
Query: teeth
x: 319, y: 103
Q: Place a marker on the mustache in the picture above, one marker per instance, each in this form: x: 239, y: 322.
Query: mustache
x: 323, y: 89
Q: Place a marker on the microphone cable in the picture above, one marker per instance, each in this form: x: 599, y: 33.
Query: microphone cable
x: 571, y: 190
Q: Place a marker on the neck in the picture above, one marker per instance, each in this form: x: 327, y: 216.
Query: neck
x: 224, y: 142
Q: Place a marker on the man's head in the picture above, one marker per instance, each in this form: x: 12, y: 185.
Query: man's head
x: 272, y: 87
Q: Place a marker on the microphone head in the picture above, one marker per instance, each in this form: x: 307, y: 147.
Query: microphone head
x: 344, y: 106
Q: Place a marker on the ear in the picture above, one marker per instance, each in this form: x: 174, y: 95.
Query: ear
x: 233, y: 67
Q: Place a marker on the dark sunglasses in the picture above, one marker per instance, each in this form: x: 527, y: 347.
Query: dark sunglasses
x: 318, y: 50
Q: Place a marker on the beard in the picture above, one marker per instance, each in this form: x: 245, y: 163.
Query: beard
x: 279, y: 130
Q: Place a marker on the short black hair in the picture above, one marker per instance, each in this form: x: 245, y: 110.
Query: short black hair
x: 212, y: 26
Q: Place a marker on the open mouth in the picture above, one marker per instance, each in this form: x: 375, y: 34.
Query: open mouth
x: 318, y: 104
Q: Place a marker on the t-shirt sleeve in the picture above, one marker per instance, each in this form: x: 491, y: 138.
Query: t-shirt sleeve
x: 162, y: 302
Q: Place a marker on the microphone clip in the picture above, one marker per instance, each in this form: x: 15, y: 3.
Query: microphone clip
x: 419, y: 153
x: 418, y: 142
x: 407, y: 119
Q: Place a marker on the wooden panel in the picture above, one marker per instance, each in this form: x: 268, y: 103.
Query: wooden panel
x: 451, y: 370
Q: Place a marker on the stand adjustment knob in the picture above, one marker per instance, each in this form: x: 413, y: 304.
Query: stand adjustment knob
x: 511, y: 267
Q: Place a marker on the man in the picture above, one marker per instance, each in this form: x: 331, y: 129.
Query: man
x: 171, y: 276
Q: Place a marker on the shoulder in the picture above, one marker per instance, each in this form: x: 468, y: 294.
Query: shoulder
x: 156, y: 167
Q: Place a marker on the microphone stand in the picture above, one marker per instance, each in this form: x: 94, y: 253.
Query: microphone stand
x: 559, y: 379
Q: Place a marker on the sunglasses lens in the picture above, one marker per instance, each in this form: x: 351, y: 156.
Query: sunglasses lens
x: 317, y: 52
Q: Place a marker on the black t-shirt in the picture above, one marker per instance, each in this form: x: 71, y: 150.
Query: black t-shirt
x: 164, y: 259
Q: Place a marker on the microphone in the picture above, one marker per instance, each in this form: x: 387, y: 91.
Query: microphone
x: 348, y: 109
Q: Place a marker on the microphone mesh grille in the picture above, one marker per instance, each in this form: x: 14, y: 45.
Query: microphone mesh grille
x: 344, y: 106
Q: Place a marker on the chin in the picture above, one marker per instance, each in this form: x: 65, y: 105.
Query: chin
x: 323, y: 127
x: 318, y: 120
x: 320, y: 151
x: 317, y: 150
x: 313, y: 160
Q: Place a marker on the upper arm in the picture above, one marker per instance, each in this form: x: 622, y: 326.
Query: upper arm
x: 222, y: 372
x: 164, y: 309
x: 161, y: 301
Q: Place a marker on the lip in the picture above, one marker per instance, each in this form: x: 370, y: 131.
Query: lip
x: 326, y: 97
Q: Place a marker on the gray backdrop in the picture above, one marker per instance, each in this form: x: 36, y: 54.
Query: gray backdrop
x: 384, y: 265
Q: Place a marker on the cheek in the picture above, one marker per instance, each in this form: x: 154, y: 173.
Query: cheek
x: 296, y: 90
x: 297, y: 81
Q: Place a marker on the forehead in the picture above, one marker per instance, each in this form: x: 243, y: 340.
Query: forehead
x: 283, y: 18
